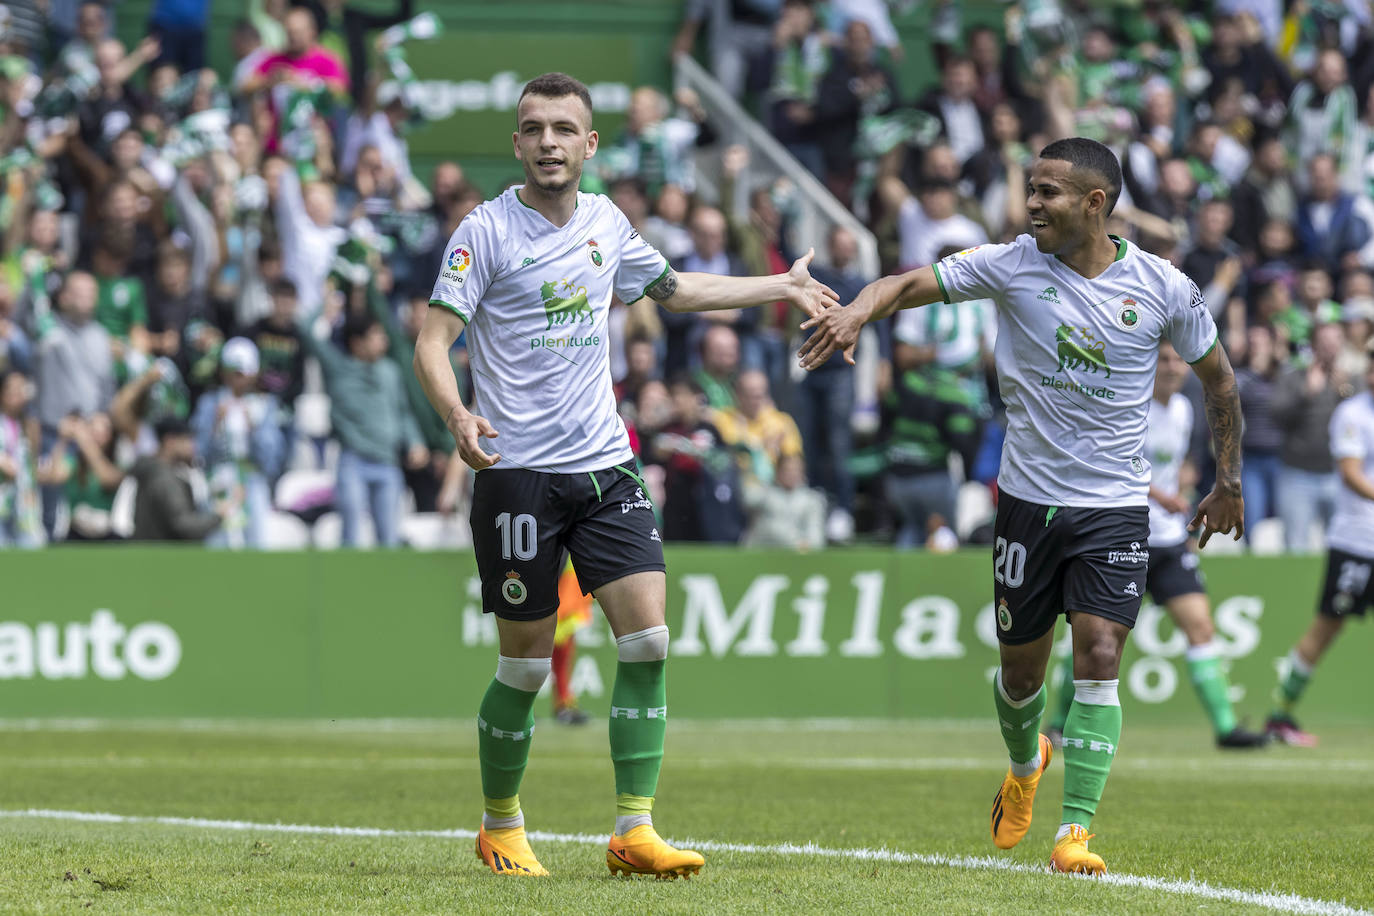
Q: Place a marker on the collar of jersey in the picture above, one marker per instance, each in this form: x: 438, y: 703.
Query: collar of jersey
x: 1120, y: 256
x: 576, y: 203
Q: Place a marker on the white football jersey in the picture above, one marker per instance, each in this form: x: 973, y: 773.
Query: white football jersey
x: 1352, y: 436
x: 1076, y: 364
x: 1167, y: 434
x: 536, y: 299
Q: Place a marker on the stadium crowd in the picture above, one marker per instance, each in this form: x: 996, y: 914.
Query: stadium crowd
x: 194, y: 267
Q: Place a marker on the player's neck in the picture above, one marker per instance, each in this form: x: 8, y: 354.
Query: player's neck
x: 557, y: 207
x: 1093, y: 256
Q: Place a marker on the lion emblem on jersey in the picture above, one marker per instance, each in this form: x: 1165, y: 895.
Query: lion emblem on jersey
x: 1074, y: 354
x: 564, y: 302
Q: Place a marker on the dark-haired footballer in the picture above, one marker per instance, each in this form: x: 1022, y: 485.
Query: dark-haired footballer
x: 1082, y: 315
x: 530, y: 275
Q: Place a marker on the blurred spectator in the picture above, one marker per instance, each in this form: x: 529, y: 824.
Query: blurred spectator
x: 1357, y: 318
x: 20, y: 503
x: 89, y: 476
x: 763, y: 434
x: 1256, y: 378
x: 720, y: 363
x: 171, y: 492
x: 685, y: 330
x: 960, y: 121
x: 785, y: 512
x: 1267, y: 192
x: 926, y: 415
x: 800, y: 59
x: 302, y: 62
x: 854, y: 87
x: 115, y: 106
x: 239, y: 439
x: 309, y: 238
x: 75, y: 370
x: 16, y: 351
x: 280, y: 351
x: 1214, y: 261
x: 656, y: 146
x: 1303, y: 402
x: 172, y: 305
x: 1322, y: 116
x: 1313, y: 305
x: 739, y: 35
x: 179, y: 27
x: 372, y: 419
x: 1333, y: 225
x: 824, y: 398
x: 930, y: 221
x: 702, y: 499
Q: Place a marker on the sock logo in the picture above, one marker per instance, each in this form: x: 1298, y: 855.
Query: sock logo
x: 484, y: 726
x: 1090, y: 744
x: 632, y: 712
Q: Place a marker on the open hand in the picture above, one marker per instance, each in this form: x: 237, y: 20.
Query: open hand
x: 1219, y: 512
x: 837, y: 328
x: 809, y: 294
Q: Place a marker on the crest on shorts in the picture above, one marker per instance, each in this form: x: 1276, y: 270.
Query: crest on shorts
x: 1003, y: 615
x: 513, y: 590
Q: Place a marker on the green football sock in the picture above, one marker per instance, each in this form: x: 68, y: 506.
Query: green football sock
x: 639, y: 721
x: 1091, y: 734
x: 1020, y: 721
x: 1063, y: 694
x: 1291, y: 684
x: 1209, y: 680
x: 505, y: 725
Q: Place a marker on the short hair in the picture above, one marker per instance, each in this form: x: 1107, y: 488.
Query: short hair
x: 358, y: 326
x: 555, y: 86
x: 1089, y: 155
x: 284, y: 286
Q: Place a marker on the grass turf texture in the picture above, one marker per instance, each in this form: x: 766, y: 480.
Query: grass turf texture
x: 1285, y: 821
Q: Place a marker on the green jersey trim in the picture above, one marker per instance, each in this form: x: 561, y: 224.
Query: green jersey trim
x: 451, y: 307
x: 940, y: 280
x: 1215, y: 340
x: 666, y: 267
x: 1120, y: 248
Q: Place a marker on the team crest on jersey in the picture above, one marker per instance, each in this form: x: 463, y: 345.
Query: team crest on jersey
x: 1128, y: 317
x: 593, y: 252
x: 457, y: 263
x: 513, y: 590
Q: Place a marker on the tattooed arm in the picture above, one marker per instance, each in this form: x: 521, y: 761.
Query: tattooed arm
x: 699, y: 292
x: 1222, y: 510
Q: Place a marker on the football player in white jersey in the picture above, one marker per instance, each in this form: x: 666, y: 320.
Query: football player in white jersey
x: 1348, y: 589
x: 530, y: 275
x: 1081, y: 315
x: 1174, y: 579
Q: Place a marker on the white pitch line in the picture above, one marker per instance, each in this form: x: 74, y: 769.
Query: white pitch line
x: 1283, y: 903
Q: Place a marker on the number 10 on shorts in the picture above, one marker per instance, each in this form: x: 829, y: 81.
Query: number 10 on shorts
x: 1009, y: 562
x: 519, y: 536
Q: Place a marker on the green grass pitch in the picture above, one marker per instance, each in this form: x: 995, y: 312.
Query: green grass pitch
x: 898, y: 811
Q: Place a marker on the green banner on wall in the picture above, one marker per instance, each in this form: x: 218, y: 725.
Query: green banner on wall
x: 859, y: 633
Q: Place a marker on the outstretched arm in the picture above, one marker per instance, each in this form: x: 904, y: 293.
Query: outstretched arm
x: 697, y: 292
x: 1222, y: 510
x: 838, y: 328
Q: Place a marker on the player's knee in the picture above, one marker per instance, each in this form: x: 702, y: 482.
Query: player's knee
x: 527, y: 674
x: 1200, y: 632
x: 649, y: 645
x: 1099, y: 660
x: 1020, y: 681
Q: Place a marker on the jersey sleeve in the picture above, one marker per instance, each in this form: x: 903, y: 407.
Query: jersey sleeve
x: 469, y: 263
x: 641, y: 265
x: 1347, y: 438
x: 980, y: 272
x: 1190, y: 327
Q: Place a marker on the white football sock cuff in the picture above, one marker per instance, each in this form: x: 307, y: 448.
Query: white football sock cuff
x: 648, y: 645
x: 1203, y: 652
x: 1096, y: 693
x: 527, y: 674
